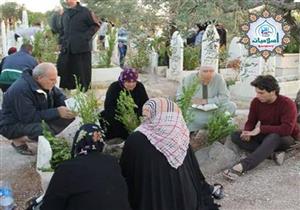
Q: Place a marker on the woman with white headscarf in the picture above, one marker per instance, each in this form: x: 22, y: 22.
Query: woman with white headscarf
x: 159, y: 166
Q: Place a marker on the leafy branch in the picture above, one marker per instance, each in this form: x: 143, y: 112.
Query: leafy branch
x: 60, y: 147
x: 185, y: 100
x: 86, y: 105
x: 220, y: 125
x: 125, y: 111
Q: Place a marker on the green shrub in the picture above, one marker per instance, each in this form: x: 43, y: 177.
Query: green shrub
x: 191, y: 58
x: 219, y: 125
x: 141, y: 58
x: 61, y: 150
x: 105, y: 56
x: 185, y: 100
x: 44, y: 46
x: 125, y: 111
x: 159, y: 45
x: 292, y: 47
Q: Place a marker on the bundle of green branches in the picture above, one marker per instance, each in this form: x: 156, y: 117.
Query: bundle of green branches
x: 185, y: 100
x: 61, y: 150
x: 125, y: 111
x: 220, y: 125
x: 86, y: 105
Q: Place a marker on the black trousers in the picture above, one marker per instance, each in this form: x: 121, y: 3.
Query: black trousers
x: 70, y: 65
x: 262, y: 146
x: 33, y: 130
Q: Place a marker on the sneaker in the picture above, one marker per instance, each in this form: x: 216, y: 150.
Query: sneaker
x: 279, y: 158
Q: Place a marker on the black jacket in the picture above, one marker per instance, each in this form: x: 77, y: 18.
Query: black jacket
x: 25, y: 102
x: 89, y: 182
x: 79, y: 26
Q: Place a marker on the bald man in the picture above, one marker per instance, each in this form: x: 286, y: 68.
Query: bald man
x: 30, y: 100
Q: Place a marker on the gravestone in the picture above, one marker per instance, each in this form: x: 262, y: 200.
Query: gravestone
x: 236, y: 49
x: 176, y: 60
x: 153, y: 57
x: 210, y: 48
x: 25, y: 19
x: 95, y: 47
x: 115, y: 55
x: 3, y: 36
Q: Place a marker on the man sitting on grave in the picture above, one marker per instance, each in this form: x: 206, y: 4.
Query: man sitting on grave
x: 210, y: 90
x: 30, y: 100
x: 276, y: 131
x: 15, y: 64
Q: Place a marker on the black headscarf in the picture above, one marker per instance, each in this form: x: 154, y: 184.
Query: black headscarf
x: 88, y: 138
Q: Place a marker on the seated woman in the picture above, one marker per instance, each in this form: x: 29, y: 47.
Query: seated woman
x: 90, y: 181
x: 127, y: 81
x: 212, y: 89
x: 159, y: 166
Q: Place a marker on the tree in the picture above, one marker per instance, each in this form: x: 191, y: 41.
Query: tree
x: 11, y: 11
x: 144, y: 15
x: 36, y: 17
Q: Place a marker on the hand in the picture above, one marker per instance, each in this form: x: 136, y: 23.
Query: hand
x: 199, y: 101
x: 246, y: 135
x: 65, y: 113
x: 254, y: 132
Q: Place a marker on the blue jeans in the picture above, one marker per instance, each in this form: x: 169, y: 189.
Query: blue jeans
x: 122, y: 53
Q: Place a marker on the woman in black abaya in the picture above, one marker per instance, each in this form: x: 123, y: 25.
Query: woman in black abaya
x: 159, y: 166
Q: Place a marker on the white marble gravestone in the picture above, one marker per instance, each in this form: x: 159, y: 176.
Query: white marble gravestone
x: 153, y: 61
x: 176, y: 60
x: 3, y: 36
x: 210, y: 48
x: 25, y: 19
x: 236, y: 49
x: 95, y: 44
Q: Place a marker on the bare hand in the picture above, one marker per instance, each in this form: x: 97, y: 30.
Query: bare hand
x: 65, y: 113
x: 247, y: 134
x: 199, y: 101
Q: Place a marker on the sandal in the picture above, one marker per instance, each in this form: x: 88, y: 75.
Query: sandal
x: 232, y: 174
x: 23, y: 149
x: 218, y: 191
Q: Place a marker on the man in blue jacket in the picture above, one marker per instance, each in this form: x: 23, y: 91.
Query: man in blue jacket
x: 30, y: 100
x: 15, y: 64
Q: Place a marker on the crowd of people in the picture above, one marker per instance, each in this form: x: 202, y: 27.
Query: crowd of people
x: 157, y: 169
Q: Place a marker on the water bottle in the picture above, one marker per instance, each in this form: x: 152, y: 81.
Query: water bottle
x: 6, y: 196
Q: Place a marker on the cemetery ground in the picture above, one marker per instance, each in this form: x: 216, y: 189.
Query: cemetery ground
x: 267, y: 187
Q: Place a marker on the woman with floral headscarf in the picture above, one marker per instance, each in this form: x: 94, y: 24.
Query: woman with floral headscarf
x: 127, y: 81
x: 90, y: 180
x: 159, y: 166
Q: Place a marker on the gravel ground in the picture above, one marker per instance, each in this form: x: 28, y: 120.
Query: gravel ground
x: 19, y: 170
x: 267, y: 187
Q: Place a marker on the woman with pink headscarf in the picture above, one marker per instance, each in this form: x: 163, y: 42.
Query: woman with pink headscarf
x: 159, y: 166
x: 127, y: 81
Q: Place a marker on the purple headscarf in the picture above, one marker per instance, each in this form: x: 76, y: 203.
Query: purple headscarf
x: 128, y: 75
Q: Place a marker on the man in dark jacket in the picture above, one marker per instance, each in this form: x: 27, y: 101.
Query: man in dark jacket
x: 79, y: 27
x: 15, y: 64
x: 30, y: 100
